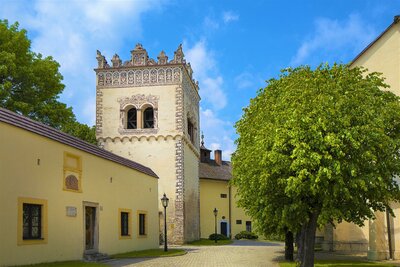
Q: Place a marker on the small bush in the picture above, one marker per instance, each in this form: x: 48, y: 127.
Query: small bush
x: 246, y: 235
x: 218, y: 237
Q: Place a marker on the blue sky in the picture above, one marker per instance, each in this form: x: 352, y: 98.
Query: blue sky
x: 233, y: 46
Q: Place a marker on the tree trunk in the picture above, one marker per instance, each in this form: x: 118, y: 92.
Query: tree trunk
x: 300, y: 244
x: 288, y: 245
x: 307, y: 259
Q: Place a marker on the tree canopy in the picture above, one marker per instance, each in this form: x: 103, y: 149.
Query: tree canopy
x: 318, y: 146
x: 30, y: 84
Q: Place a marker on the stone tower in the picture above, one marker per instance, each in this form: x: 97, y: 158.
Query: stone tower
x: 148, y: 111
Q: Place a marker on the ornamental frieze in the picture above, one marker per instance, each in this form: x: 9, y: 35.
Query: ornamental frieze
x: 141, y: 70
x: 139, y: 77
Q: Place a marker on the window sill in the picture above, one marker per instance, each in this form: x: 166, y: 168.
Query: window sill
x: 125, y: 237
x: 32, y: 242
x: 138, y: 131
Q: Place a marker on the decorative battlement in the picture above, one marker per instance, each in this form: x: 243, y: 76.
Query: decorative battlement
x: 141, y: 70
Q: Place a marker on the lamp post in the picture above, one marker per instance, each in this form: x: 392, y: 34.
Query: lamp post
x: 215, y: 215
x: 164, y: 201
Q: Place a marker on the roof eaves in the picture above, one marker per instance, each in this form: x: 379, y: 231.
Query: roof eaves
x: 215, y: 179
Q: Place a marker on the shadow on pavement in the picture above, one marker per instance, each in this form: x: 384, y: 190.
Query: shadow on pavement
x: 255, y: 243
x: 124, y: 262
x: 128, y: 261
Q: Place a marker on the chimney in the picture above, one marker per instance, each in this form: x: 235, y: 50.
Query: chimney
x: 218, y: 157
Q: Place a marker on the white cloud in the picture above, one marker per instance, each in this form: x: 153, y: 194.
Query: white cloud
x: 212, y: 92
x: 245, y: 80
x: 205, y: 71
x: 71, y: 31
x: 218, y: 133
x: 229, y: 16
x: 210, y: 23
x: 89, y: 110
x: 334, y: 40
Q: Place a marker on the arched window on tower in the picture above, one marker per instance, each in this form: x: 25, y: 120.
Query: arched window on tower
x: 148, y: 118
x: 131, y: 119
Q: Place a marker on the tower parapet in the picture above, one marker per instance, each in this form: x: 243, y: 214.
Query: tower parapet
x: 142, y: 70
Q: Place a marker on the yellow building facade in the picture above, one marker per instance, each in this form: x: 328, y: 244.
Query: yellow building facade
x: 379, y: 238
x: 217, y: 193
x: 64, y: 199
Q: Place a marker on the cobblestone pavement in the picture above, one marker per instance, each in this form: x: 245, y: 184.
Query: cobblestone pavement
x: 240, y: 253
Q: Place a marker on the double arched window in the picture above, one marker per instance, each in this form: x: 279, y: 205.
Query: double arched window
x: 140, y: 118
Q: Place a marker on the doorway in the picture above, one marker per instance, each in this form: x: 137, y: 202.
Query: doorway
x: 224, y: 228
x: 91, y: 228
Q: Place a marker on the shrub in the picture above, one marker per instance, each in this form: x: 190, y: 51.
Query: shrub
x: 246, y: 235
x: 218, y: 237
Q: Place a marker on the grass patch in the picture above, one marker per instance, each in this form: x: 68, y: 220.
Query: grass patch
x: 150, y: 253
x: 207, y: 242
x: 341, y: 264
x: 66, y: 264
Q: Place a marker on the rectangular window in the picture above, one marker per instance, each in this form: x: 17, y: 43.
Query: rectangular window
x: 190, y: 131
x: 238, y: 221
x: 124, y: 223
x: 248, y: 226
x: 224, y: 196
x: 125, y: 220
x: 142, y: 221
x: 32, y: 221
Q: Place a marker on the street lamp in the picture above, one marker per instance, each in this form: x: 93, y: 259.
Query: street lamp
x: 164, y: 201
x: 215, y: 215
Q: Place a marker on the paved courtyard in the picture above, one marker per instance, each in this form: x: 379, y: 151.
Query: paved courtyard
x: 240, y: 253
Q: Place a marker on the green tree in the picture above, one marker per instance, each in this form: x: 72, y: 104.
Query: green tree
x: 81, y: 131
x: 30, y: 84
x: 318, y: 146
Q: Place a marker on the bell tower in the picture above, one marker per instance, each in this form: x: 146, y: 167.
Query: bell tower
x: 148, y: 111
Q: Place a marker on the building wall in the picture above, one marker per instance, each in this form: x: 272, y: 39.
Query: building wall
x: 351, y: 237
x: 32, y: 167
x: 238, y: 214
x: 112, y: 99
x: 192, y: 196
x: 384, y: 57
x: 210, y: 198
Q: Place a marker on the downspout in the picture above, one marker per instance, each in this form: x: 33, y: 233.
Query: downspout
x: 389, y: 235
x: 230, y: 213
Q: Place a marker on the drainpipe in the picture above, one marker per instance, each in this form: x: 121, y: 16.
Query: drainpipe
x: 230, y: 212
x: 389, y: 235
